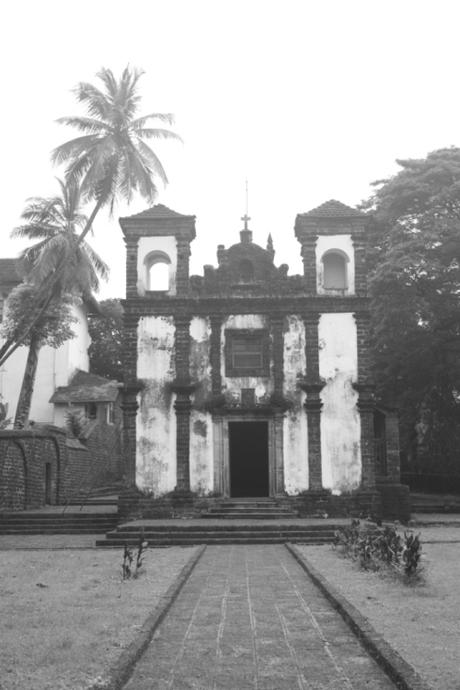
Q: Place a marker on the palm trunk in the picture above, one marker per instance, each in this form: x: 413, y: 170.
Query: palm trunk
x: 11, y: 345
x: 27, y: 388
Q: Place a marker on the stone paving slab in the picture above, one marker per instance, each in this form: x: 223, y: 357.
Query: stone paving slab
x: 249, y: 618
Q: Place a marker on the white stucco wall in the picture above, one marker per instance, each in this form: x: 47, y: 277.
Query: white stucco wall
x: 345, y: 244
x: 201, y: 428
x: 147, y: 245
x: 55, y: 368
x: 295, y: 431
x: 156, y: 419
x: 340, y: 421
x: 232, y: 385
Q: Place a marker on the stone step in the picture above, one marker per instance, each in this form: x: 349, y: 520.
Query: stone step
x: 222, y: 527
x: 57, y: 523
x: 93, y: 529
x: 207, y: 538
x: 245, y: 515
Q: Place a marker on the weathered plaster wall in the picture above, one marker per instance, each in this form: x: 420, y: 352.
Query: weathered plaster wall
x: 146, y: 246
x: 295, y: 432
x: 156, y: 419
x: 201, y: 437
x: 232, y: 385
x: 324, y: 244
x: 340, y: 422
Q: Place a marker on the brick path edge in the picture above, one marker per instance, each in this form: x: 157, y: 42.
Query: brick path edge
x: 120, y: 673
x: 398, y: 669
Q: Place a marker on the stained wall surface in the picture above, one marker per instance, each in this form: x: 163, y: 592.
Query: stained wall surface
x: 340, y: 421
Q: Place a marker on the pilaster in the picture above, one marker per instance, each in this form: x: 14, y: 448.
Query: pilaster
x: 129, y: 408
x: 183, y: 388
x: 308, y: 253
x: 182, y: 273
x: 312, y: 385
x: 276, y: 323
x: 366, y: 407
x: 215, y: 353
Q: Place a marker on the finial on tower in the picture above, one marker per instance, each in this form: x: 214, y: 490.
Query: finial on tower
x: 270, y: 248
x: 246, y: 218
x: 246, y: 234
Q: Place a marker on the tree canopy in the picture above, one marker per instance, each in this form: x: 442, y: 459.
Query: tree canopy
x: 106, y: 349
x: 415, y: 286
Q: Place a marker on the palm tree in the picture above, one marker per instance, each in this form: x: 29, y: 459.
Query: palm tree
x: 55, y: 223
x: 110, y: 160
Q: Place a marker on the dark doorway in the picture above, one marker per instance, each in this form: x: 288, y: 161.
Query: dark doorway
x: 48, y: 485
x: 248, y: 444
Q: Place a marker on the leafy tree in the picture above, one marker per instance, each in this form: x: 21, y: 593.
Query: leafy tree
x: 54, y: 223
x: 415, y: 285
x: 110, y: 160
x: 106, y: 349
x: 53, y: 329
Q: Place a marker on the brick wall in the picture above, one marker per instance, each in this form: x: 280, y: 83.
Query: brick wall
x: 24, y: 456
x: 42, y: 466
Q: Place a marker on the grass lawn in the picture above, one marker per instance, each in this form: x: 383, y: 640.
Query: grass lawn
x: 421, y: 621
x: 66, y: 616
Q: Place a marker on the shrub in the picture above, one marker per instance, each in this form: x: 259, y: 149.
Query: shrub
x: 375, y: 547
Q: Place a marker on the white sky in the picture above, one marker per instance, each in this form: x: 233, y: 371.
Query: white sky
x: 310, y: 100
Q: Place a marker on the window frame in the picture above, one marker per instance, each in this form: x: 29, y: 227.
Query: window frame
x: 256, y: 335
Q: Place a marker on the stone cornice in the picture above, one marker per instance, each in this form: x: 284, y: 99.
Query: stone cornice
x: 203, y: 306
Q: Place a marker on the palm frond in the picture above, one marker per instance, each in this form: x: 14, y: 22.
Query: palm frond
x: 95, y: 101
x: 156, y: 133
x: 73, y: 148
x: 152, y: 160
x: 163, y: 117
x: 101, y: 268
x: 86, y: 124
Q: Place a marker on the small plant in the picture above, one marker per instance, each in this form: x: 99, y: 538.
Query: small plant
x: 375, y: 547
x: 128, y: 570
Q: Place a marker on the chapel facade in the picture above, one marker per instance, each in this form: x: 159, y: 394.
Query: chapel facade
x: 248, y: 382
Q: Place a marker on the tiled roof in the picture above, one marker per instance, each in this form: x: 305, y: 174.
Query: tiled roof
x: 333, y: 209
x: 156, y: 212
x: 86, y: 387
x: 8, y: 272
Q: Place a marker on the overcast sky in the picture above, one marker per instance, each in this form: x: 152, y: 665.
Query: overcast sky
x: 308, y: 100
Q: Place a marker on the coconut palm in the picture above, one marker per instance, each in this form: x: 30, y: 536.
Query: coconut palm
x: 55, y: 224
x: 110, y: 160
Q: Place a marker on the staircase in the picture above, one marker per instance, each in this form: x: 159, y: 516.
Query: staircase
x: 249, y: 509
x: 57, y: 522
x: 176, y: 533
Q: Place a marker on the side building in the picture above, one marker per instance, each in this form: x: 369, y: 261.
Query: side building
x: 248, y: 382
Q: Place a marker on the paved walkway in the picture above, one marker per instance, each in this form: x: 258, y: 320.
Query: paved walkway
x: 249, y: 617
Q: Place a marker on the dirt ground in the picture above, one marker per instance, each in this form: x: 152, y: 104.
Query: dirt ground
x: 422, y: 621
x: 66, y: 616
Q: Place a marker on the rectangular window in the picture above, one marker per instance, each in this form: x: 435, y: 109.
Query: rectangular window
x: 91, y: 410
x: 246, y: 352
x: 110, y: 413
